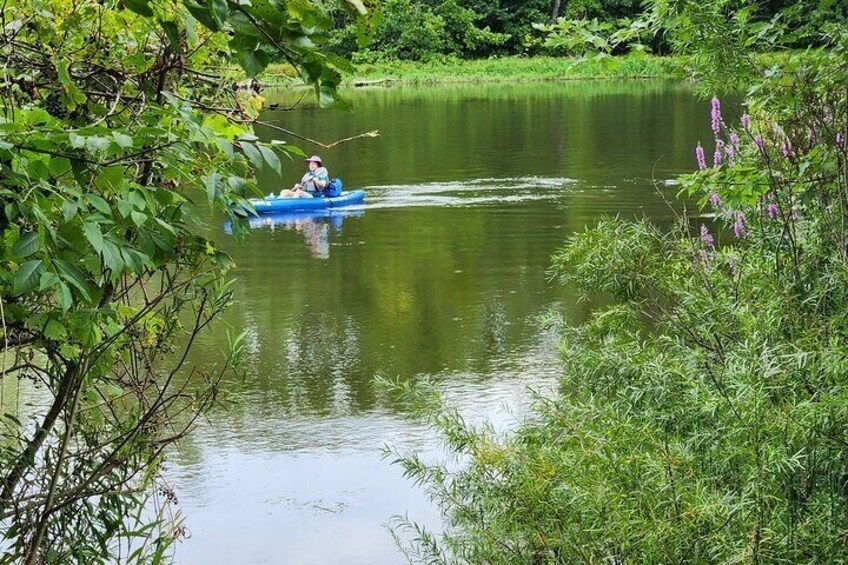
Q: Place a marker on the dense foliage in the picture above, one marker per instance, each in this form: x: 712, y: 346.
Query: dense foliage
x: 116, y: 117
x: 426, y: 29
x: 702, y: 416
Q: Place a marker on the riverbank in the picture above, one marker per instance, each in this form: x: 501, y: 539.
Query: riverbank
x: 504, y: 69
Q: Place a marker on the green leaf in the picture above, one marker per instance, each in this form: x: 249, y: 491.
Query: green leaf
x: 253, y: 154
x: 55, y: 330
x: 253, y: 62
x: 101, y: 205
x: 77, y: 141
x: 26, y: 277
x: 219, y: 11
x: 26, y: 245
x: 122, y: 140
x: 47, y: 280
x: 110, y: 179
x: 97, y: 143
x: 271, y: 158
x: 84, y: 328
x: 201, y: 14
x: 138, y: 218
x: 74, y: 276
x: 211, y: 182
x: 64, y: 297
x: 112, y: 259
x: 69, y: 210
x: 59, y: 166
x: 94, y: 236
x: 125, y: 207
x: 140, y: 7
x: 172, y: 32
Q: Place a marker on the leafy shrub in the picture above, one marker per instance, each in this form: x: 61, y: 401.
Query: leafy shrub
x: 702, y: 417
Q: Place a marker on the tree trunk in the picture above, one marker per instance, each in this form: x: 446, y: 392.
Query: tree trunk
x: 556, y: 10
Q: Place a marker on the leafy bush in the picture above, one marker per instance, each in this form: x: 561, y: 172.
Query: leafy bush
x: 417, y: 30
x: 116, y: 119
x: 702, y: 417
x: 579, y: 37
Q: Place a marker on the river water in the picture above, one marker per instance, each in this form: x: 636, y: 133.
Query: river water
x: 441, y: 275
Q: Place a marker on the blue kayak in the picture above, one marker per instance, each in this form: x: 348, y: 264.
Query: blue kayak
x: 273, y: 204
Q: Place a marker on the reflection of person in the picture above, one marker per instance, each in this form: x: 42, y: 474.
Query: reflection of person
x: 316, y: 232
x: 312, y: 182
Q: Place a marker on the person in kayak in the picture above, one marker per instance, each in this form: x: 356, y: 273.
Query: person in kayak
x: 312, y: 182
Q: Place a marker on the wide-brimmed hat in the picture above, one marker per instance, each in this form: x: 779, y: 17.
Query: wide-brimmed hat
x: 316, y: 159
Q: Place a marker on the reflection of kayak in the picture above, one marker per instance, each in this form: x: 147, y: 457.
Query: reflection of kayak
x: 273, y: 204
x: 334, y: 216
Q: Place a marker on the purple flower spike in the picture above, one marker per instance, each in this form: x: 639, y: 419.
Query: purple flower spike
x: 715, y: 199
x: 840, y: 139
x: 734, y: 140
x: 786, y: 150
x: 706, y: 237
x: 717, y: 158
x: 810, y: 135
x: 758, y: 140
x: 746, y: 121
x: 772, y: 210
x: 739, y: 226
x: 699, y: 153
x: 715, y: 114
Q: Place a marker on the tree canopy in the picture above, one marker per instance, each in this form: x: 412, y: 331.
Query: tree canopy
x: 117, y: 119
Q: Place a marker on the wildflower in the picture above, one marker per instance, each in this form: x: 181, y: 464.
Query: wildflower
x: 810, y: 135
x: 717, y: 158
x: 699, y: 153
x: 739, y: 226
x: 715, y: 114
x: 746, y: 121
x: 715, y: 199
x: 706, y: 237
x: 839, y: 139
x: 758, y: 140
x: 785, y: 149
x: 734, y: 140
x: 772, y: 210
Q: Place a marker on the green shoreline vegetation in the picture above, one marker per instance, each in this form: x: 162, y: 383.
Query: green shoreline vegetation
x: 539, y: 68
x: 499, y: 69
